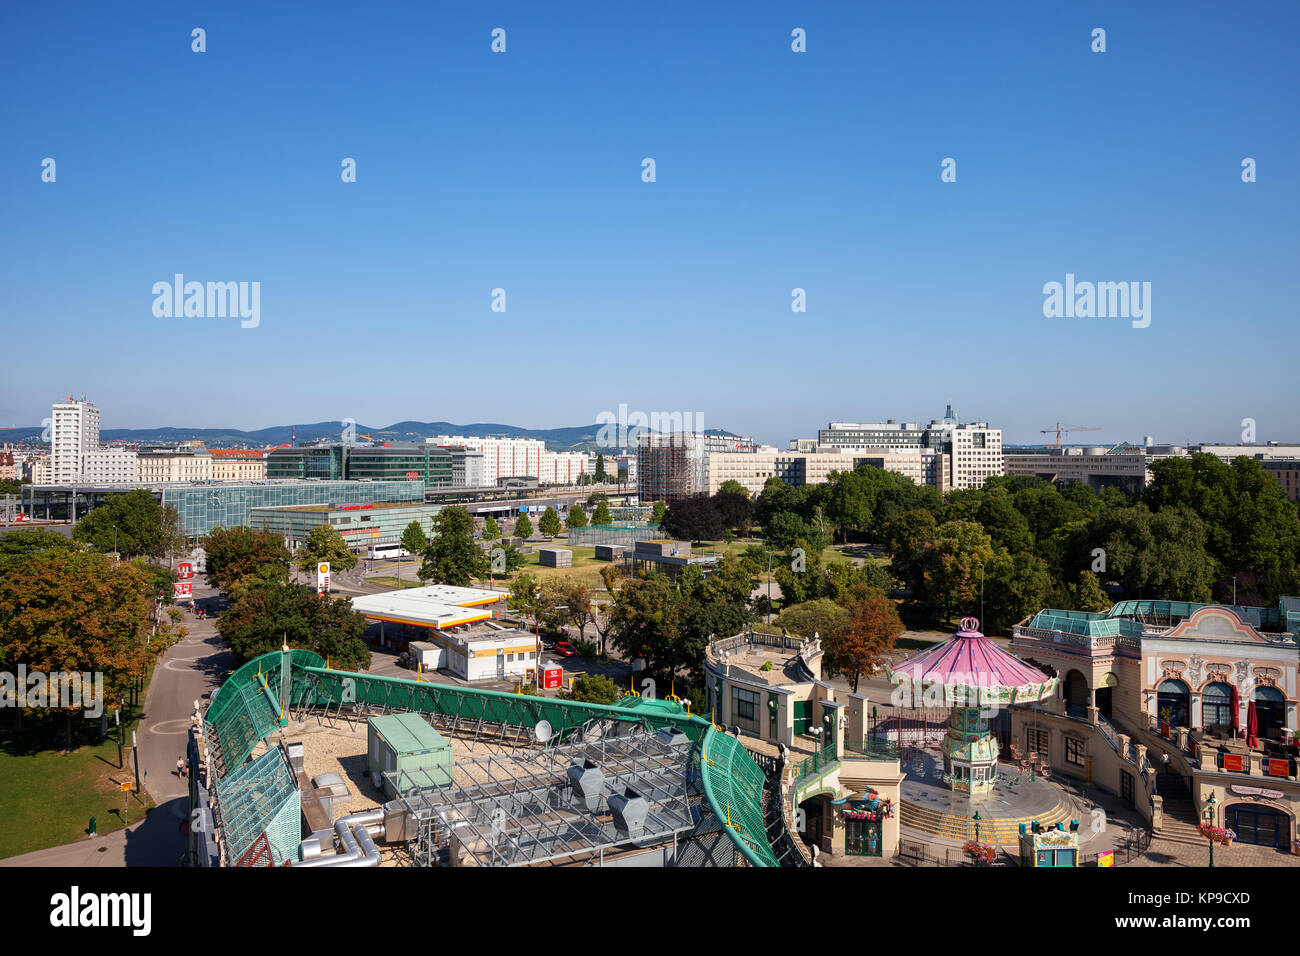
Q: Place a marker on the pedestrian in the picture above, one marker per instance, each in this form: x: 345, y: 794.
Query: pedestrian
x: 180, y: 767
x: 1164, y: 759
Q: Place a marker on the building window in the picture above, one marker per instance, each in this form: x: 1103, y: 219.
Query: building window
x: 1074, y: 751
x: 1036, y: 741
x: 1126, y: 787
x: 744, y: 709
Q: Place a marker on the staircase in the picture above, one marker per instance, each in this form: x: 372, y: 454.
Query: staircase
x: 1180, y: 822
x: 952, y: 827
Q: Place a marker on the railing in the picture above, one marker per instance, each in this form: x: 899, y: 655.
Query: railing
x: 872, y: 750
x: 812, y: 764
x: 1108, y: 731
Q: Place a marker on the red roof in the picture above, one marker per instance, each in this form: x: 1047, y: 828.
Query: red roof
x: 234, y: 453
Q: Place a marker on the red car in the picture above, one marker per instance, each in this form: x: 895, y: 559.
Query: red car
x: 565, y: 649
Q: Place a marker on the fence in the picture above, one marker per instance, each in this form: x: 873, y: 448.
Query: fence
x: 924, y: 854
x: 1133, y: 847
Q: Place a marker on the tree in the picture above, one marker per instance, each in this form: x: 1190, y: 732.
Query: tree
x: 600, y: 467
x: 575, y: 517
x: 491, y: 530
x: 452, y: 557
x: 864, y: 645
x: 65, y: 611
x: 694, y: 519
x: 414, y: 540
x: 526, y: 596
x: 1007, y: 528
x: 657, y: 513
x: 550, y: 524
x: 907, y: 537
x: 265, y: 614
x: 734, y: 508
x: 1016, y: 585
x: 595, y: 689
x: 18, y: 547
x: 601, y: 515
x: 234, y: 554
x: 1088, y: 595
x: 576, y: 596
x: 171, y: 538
x: 324, y: 543
x: 822, y: 616
x: 133, y: 523
x: 951, y: 566
x: 523, y: 527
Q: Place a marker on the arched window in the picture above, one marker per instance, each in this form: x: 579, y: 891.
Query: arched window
x: 1172, y: 698
x: 1270, y: 712
x: 1216, y: 707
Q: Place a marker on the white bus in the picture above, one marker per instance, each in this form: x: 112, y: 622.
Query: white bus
x: 377, y: 551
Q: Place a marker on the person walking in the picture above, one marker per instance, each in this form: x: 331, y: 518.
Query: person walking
x: 180, y: 767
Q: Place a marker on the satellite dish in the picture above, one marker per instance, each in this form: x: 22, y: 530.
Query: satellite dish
x: 542, y: 731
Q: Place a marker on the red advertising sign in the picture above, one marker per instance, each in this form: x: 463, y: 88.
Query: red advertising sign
x: 552, y: 678
x: 184, y: 571
x: 1234, y: 762
x: 412, y: 474
x: 1279, y: 768
x: 184, y: 589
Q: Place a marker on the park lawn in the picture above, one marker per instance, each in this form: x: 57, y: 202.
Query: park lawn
x: 48, y: 798
x: 392, y: 582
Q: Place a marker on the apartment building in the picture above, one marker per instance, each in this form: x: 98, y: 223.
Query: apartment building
x: 188, y: 461
x: 76, y: 456
x: 237, y: 464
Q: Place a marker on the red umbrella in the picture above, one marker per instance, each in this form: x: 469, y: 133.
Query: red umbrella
x: 1252, y: 726
x: 1235, y: 706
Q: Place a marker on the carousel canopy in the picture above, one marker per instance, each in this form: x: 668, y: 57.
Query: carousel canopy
x: 971, y: 669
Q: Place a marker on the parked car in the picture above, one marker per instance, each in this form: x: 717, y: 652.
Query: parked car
x: 565, y: 649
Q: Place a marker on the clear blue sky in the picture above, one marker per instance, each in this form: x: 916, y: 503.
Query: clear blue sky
x: 775, y: 170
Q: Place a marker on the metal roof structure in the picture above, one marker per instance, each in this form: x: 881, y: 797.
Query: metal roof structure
x: 545, y: 805
x: 437, y: 606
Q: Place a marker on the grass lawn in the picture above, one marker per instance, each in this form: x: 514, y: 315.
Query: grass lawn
x: 48, y: 798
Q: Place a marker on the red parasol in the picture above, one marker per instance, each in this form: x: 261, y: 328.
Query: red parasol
x: 1252, y: 726
x: 1236, y: 711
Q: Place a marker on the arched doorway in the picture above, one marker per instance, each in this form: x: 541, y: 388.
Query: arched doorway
x: 1103, y: 695
x: 1172, y: 703
x: 1075, y: 692
x: 815, y: 810
x: 1216, y: 709
x: 1259, y: 825
x: 1270, y: 713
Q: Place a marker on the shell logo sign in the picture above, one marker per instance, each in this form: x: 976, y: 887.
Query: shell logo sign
x: 322, y: 576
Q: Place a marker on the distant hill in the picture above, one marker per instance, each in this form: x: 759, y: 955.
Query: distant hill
x: 576, y: 438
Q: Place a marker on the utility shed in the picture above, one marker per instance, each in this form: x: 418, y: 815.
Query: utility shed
x: 399, y: 742
x: 555, y: 557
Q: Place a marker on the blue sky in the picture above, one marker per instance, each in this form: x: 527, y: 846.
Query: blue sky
x: 775, y: 170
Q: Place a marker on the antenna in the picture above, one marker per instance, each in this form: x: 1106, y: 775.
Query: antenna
x: 542, y: 731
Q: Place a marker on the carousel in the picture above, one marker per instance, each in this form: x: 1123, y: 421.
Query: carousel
x: 974, y: 678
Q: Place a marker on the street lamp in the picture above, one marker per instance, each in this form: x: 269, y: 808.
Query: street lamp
x: 982, y: 594
x: 977, y: 819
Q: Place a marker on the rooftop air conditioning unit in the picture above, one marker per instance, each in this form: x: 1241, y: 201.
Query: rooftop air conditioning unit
x: 586, y: 780
x: 630, y: 810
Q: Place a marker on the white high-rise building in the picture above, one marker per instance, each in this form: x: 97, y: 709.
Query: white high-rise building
x: 518, y: 458
x: 75, y: 453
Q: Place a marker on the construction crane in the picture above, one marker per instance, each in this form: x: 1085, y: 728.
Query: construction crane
x: 1061, y: 429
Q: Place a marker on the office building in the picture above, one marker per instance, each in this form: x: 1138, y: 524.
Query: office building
x: 237, y: 464
x: 339, y: 461
x: 363, y: 525
x: 1123, y: 466
x: 188, y: 461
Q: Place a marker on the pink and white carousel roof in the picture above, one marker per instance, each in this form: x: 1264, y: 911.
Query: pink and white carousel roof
x: 969, y: 668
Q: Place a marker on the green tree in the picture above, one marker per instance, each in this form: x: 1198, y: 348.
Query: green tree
x: 600, y: 467
x: 414, y: 540
x: 452, y: 556
x: 907, y: 537
x: 822, y: 616
x: 491, y: 530
x: 951, y: 566
x: 1007, y: 528
x: 1015, y: 586
x: 601, y: 514
x: 324, y: 543
x: 18, y: 547
x: 575, y: 517
x: 1088, y: 595
x: 523, y: 527
x: 595, y: 689
x: 133, y: 521
x: 550, y: 524
x: 239, y: 553
x: 265, y: 614
x: 657, y: 513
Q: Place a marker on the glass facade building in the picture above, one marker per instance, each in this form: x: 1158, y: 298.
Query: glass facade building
x: 430, y: 464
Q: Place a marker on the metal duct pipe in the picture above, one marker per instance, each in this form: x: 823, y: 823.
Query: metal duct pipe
x: 354, y: 832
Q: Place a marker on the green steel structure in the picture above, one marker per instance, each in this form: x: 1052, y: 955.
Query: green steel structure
x: 261, y: 797
x: 245, y: 711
